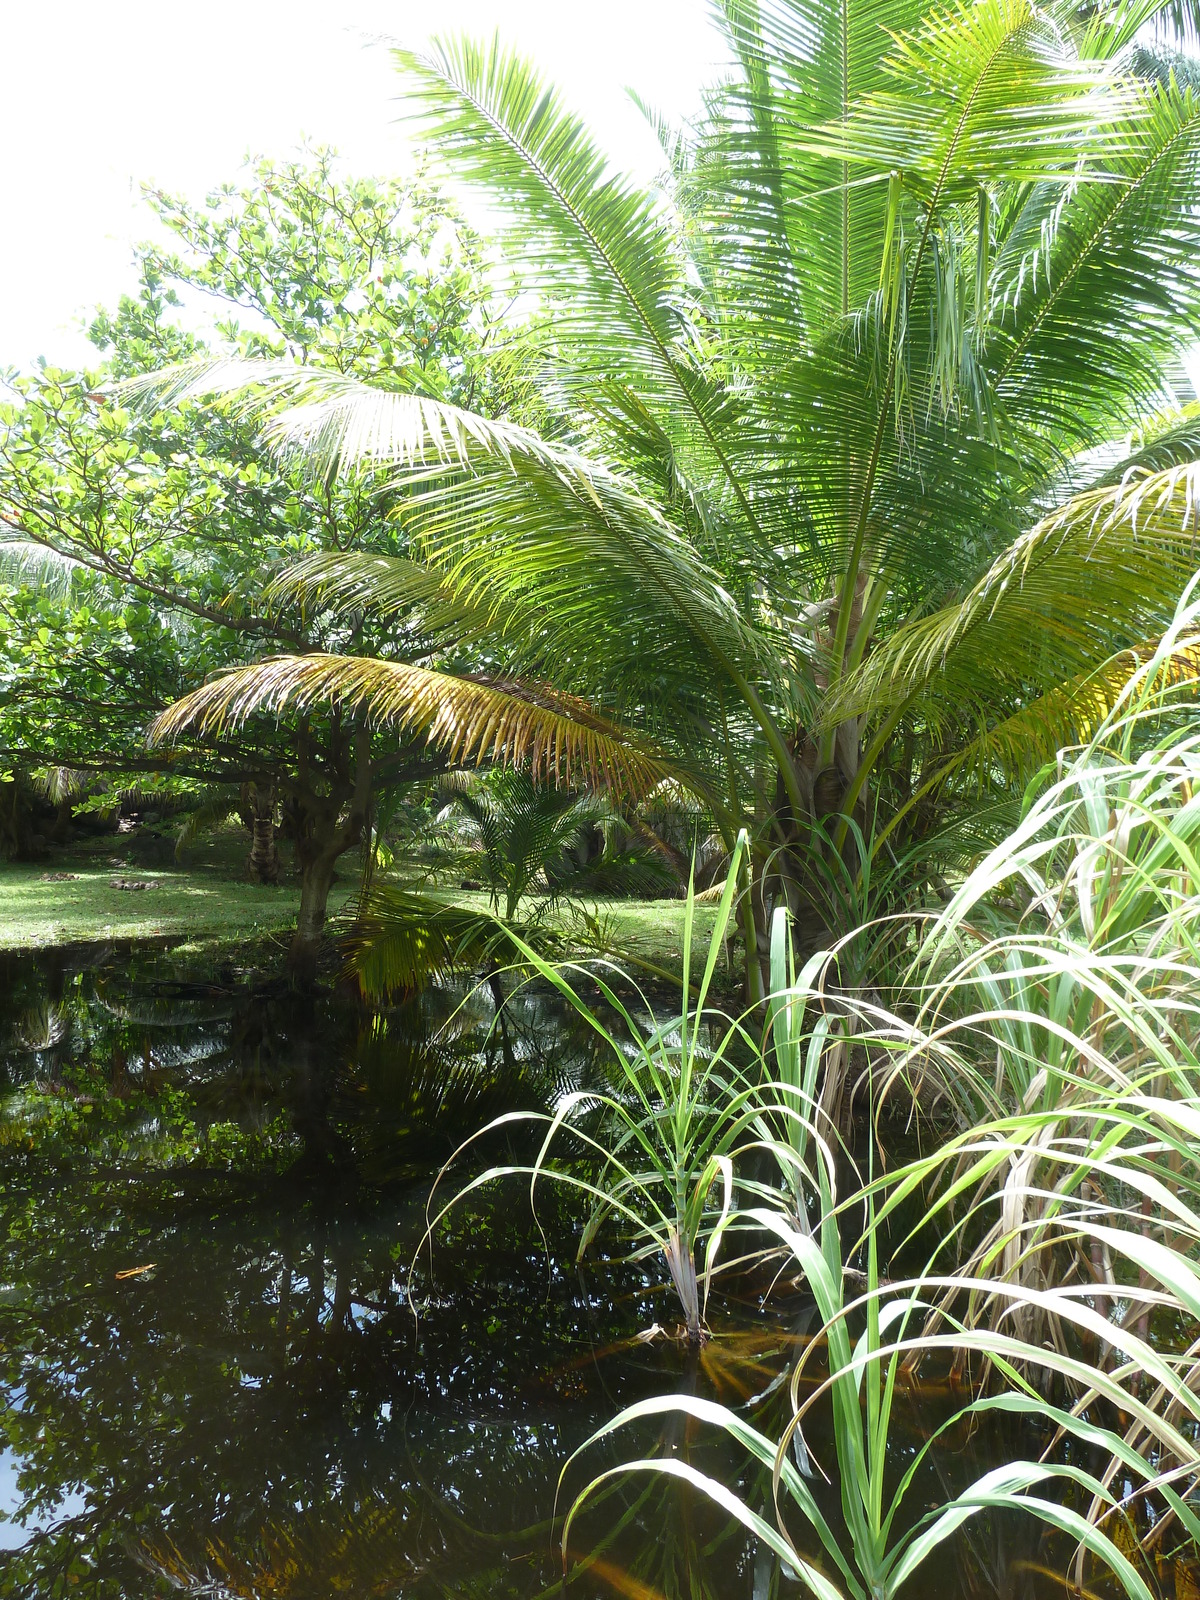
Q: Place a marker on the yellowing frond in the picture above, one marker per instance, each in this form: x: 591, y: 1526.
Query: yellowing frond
x: 1069, y: 714
x: 557, y: 737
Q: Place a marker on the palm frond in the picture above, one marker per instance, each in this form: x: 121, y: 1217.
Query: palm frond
x: 978, y: 94
x: 336, y: 422
x: 604, y: 582
x: 796, y: 236
x: 525, y: 827
x: 1110, y: 562
x: 524, y: 533
x: 1075, y: 271
x: 608, y: 252
x: 1172, y: 441
x: 1068, y: 714
x: 25, y: 563
x: 468, y: 719
x: 59, y: 784
x: 582, y: 579
x: 402, y: 939
x: 383, y: 586
x: 217, y: 805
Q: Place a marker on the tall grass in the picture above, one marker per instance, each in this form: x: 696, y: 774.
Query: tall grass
x: 654, y: 1153
x: 1042, y: 1248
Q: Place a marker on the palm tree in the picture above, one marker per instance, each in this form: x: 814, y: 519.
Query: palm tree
x: 520, y: 826
x: 860, y: 457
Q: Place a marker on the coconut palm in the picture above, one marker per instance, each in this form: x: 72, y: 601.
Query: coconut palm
x: 519, y: 826
x: 860, y: 453
x: 528, y: 833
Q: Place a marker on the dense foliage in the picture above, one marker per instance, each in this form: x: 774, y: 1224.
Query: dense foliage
x: 819, y: 523
x: 855, y: 470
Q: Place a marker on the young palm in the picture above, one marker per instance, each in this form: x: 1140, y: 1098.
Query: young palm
x: 522, y: 827
x: 828, y: 520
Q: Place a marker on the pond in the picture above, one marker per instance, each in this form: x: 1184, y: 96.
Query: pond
x: 221, y: 1373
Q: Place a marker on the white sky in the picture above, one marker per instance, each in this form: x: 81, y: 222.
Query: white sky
x: 98, y: 95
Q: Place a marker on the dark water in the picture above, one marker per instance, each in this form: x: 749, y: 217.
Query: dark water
x: 211, y: 1377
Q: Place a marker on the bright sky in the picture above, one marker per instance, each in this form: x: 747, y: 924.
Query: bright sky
x: 98, y: 97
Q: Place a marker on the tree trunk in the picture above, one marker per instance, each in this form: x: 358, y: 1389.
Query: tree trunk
x: 316, y: 879
x: 326, y: 827
x: 263, y: 861
x: 17, y: 839
x: 62, y: 821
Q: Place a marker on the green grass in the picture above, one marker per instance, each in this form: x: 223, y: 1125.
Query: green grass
x: 649, y: 931
x: 209, y: 898
x: 652, y: 930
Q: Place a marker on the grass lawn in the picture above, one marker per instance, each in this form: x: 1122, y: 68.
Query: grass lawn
x: 652, y: 930
x: 649, y: 931
x: 74, y: 897
x: 209, y: 898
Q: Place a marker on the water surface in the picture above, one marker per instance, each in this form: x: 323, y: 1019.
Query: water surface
x: 220, y: 1373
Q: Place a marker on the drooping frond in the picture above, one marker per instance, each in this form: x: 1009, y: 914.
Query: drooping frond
x: 536, y: 540
x: 1106, y: 568
x: 470, y: 720
x: 60, y: 784
x: 597, y: 576
x: 590, y: 590
x: 1068, y: 714
x: 1172, y: 443
x: 216, y: 805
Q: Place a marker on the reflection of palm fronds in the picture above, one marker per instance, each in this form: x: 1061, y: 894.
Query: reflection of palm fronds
x: 43, y: 1027
x: 665, y: 1134
x: 432, y: 1092
x: 372, y: 1547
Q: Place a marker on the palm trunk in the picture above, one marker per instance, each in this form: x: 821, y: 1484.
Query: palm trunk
x: 263, y: 860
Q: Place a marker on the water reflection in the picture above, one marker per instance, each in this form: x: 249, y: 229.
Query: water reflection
x: 212, y: 1380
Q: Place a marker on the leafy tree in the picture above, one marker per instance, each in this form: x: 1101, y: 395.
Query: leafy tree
x: 834, y: 516
x: 141, y: 544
